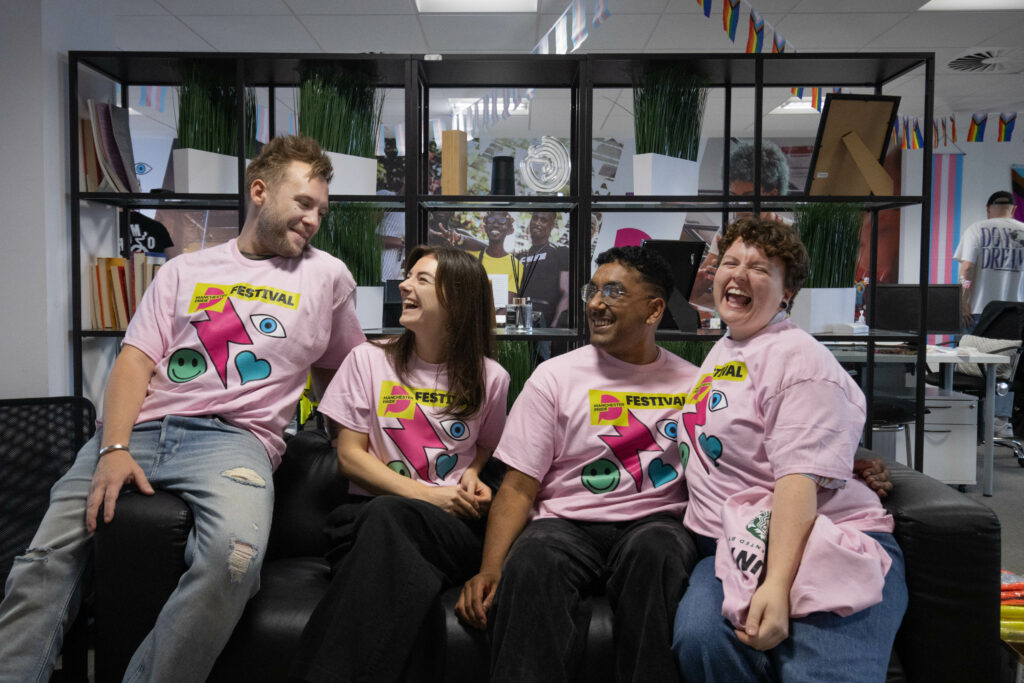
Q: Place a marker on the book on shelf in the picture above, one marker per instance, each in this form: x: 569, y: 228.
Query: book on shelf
x: 112, y: 140
x: 89, y: 174
x: 117, y: 285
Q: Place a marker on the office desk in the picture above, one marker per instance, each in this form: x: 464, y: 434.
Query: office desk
x: 947, y: 359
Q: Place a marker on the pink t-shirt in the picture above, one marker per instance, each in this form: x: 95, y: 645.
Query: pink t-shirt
x: 775, y: 404
x: 235, y: 337
x: 403, y: 420
x: 599, y: 434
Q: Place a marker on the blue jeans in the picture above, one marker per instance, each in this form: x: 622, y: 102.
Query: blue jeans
x: 821, y: 646
x: 224, y: 475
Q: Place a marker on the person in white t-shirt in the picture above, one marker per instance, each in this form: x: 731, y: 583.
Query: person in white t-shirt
x: 770, y: 429
x: 991, y: 256
x: 419, y: 416
x: 208, y: 376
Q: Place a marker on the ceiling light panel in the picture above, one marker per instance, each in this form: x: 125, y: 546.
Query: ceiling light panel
x: 476, y: 7
x: 970, y: 5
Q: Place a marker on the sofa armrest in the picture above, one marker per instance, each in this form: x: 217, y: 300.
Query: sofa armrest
x: 139, y: 557
x: 951, y: 544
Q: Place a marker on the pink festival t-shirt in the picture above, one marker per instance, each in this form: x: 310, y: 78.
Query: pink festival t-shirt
x: 235, y: 337
x: 775, y: 404
x: 403, y: 420
x: 599, y: 434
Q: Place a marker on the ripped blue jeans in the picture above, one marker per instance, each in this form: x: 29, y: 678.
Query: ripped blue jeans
x: 224, y: 474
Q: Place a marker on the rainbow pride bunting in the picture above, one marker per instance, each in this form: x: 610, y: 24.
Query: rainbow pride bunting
x: 778, y: 44
x: 579, y: 24
x: 976, y: 133
x: 600, y: 12
x: 797, y: 92
x: 945, y: 138
x: 906, y: 134
x: 918, y: 141
x: 1006, y: 121
x: 731, y: 18
x: 935, y: 133
x: 706, y: 5
x: 952, y: 128
x: 755, y: 38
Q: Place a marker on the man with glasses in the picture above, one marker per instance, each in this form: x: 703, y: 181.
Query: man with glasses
x: 594, y: 493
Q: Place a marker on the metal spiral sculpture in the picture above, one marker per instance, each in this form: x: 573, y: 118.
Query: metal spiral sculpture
x: 546, y: 166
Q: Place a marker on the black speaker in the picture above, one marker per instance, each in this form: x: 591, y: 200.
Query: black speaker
x: 503, y: 175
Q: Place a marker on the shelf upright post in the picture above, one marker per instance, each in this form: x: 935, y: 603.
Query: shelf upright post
x: 241, y: 141
x: 923, y: 275
x: 726, y: 145
x: 581, y: 184
x: 758, y: 106
x: 416, y: 92
x: 76, y: 232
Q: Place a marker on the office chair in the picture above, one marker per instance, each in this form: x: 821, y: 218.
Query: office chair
x: 39, y: 438
x: 1002, y: 320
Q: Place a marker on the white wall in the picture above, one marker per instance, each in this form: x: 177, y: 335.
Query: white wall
x: 34, y: 40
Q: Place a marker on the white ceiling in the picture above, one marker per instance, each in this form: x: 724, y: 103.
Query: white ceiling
x: 353, y: 26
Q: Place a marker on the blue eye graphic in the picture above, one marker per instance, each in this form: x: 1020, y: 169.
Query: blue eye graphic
x: 668, y: 429
x: 457, y: 429
x: 142, y: 168
x: 718, y: 401
x: 268, y: 325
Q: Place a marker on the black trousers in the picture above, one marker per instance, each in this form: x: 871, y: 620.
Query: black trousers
x: 539, y: 632
x: 381, y: 618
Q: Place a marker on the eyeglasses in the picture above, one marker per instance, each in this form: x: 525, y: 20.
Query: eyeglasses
x: 499, y: 219
x: 610, y: 292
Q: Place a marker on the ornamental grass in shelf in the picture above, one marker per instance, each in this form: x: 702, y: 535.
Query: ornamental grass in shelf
x: 349, y: 232
x: 340, y: 109
x: 208, y: 113
x: 831, y: 233
x: 668, y: 111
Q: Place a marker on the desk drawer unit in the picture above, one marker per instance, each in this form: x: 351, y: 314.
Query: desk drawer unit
x: 950, y: 436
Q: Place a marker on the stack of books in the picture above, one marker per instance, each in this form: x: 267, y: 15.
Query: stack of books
x: 106, y: 162
x: 116, y: 286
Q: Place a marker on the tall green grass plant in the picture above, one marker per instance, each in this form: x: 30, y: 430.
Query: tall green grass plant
x: 668, y: 111
x: 208, y: 114
x: 349, y: 232
x: 340, y: 109
x: 831, y: 233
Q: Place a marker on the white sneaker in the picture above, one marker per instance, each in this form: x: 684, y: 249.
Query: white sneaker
x: 1001, y: 428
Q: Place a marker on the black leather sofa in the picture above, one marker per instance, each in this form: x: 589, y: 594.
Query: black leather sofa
x: 951, y: 544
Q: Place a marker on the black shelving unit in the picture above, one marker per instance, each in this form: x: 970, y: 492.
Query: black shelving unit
x: 580, y: 75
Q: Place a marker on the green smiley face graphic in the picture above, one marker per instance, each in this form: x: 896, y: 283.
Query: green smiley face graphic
x: 400, y: 467
x: 185, y: 365
x: 601, y: 476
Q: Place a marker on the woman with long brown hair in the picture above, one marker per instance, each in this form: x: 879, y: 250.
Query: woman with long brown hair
x: 419, y: 417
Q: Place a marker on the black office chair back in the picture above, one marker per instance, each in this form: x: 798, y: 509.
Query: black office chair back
x: 1001, y: 320
x: 39, y: 438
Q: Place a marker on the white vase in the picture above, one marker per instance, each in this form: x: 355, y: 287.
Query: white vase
x: 370, y: 307
x: 352, y: 175
x: 658, y: 174
x: 816, y: 308
x: 204, y: 172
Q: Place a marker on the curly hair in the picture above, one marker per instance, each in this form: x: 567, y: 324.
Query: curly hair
x: 774, y: 238
x: 653, y: 268
x: 278, y: 154
x: 774, y: 166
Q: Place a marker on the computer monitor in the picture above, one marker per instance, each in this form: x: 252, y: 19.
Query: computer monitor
x: 683, y: 260
x: 898, y: 308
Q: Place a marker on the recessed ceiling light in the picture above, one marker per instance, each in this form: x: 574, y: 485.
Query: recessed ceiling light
x: 475, y: 6
x: 460, y: 105
x: 795, y: 105
x: 970, y: 5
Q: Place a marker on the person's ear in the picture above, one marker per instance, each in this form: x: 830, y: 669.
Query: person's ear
x: 656, y: 309
x: 258, y: 192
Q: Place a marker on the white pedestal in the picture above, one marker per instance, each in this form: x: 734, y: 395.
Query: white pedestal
x: 352, y: 175
x: 204, y: 172
x: 370, y: 307
x: 657, y: 174
x: 816, y: 308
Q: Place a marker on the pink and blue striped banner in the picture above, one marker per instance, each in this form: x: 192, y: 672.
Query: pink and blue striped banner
x: 947, y: 188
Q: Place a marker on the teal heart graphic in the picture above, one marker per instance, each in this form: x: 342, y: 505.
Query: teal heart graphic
x: 711, y: 446
x: 445, y: 464
x: 251, y: 368
x: 660, y: 473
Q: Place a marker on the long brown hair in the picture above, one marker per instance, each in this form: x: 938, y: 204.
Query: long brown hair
x: 465, y: 293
